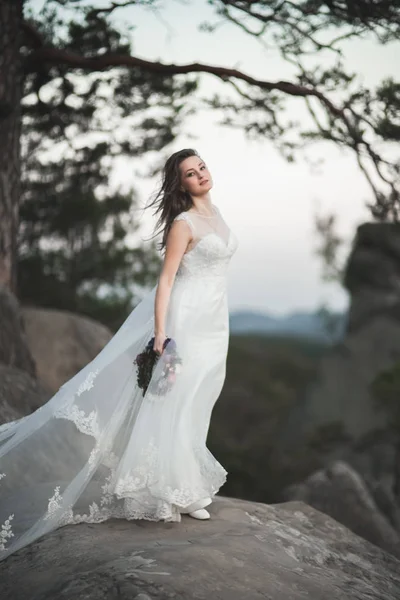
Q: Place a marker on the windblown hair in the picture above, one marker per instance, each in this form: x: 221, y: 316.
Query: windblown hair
x: 170, y: 200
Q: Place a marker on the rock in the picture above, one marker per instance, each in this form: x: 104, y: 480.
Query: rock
x: 246, y: 550
x: 373, y: 274
x: 20, y: 394
x: 62, y: 343
x: 339, y: 491
x: 14, y: 349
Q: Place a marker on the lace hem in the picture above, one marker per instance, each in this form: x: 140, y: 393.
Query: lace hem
x: 137, y: 508
x: 135, y: 499
x: 146, y: 481
x: 85, y: 423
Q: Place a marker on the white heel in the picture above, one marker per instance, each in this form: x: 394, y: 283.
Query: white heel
x: 196, y: 506
x: 201, y: 513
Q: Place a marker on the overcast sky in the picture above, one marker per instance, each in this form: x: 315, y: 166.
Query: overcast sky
x: 266, y: 201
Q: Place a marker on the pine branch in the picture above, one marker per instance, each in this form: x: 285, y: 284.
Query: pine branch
x: 55, y: 56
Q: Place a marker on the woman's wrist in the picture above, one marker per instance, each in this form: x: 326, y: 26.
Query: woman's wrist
x: 159, y: 332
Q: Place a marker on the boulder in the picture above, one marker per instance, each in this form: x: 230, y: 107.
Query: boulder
x: 14, y: 350
x: 20, y: 394
x: 62, y: 343
x: 339, y: 491
x: 246, y: 550
x: 372, y: 275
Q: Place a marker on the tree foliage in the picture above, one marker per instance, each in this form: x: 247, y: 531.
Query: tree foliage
x: 310, y: 35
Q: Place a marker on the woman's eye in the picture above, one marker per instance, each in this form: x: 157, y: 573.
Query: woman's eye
x: 190, y: 174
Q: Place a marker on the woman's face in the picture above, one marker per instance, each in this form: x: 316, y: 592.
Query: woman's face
x: 195, y: 177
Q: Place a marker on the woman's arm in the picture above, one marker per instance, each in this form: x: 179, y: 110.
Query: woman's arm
x: 177, y: 241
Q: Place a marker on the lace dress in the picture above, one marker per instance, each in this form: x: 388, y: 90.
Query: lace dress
x: 99, y: 448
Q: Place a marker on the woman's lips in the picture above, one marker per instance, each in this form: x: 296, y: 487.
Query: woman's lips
x: 203, y: 182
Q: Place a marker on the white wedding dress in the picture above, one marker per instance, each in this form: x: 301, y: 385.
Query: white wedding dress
x: 99, y: 448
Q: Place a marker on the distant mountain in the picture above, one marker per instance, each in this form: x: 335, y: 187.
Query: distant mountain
x: 297, y: 324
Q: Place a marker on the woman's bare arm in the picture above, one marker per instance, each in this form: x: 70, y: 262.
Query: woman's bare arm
x: 177, y: 241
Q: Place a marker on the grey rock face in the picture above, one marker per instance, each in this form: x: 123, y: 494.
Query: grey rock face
x: 246, y: 550
x: 20, y: 394
x: 14, y: 349
x: 340, y: 492
x: 373, y: 274
x: 62, y: 343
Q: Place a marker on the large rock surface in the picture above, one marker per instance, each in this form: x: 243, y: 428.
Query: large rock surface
x: 339, y: 491
x: 62, y: 343
x: 373, y: 274
x: 20, y: 394
x: 245, y: 551
x: 14, y: 350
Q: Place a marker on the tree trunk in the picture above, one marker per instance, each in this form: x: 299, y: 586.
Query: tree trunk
x: 10, y: 127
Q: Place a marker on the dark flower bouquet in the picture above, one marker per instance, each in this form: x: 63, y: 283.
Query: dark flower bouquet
x: 146, y: 362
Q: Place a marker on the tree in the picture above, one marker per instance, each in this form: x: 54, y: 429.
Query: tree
x: 359, y: 119
x: 10, y: 126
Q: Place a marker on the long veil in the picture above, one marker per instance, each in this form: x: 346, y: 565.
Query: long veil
x: 57, y: 465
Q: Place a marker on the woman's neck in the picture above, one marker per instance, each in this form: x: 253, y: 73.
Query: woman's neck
x: 203, y: 205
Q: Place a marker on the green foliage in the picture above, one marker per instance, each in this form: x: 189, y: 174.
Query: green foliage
x: 386, y: 393
x: 327, y: 436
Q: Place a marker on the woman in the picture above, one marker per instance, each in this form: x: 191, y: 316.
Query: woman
x: 105, y: 445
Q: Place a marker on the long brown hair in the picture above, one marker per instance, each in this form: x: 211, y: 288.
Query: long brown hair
x: 170, y: 200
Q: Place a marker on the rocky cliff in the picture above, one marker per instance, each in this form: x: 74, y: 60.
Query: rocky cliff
x: 246, y: 551
x: 340, y: 418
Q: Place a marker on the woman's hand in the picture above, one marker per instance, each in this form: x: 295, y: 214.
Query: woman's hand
x: 159, y: 339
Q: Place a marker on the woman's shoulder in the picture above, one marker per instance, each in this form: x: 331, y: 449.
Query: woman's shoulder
x: 183, y: 216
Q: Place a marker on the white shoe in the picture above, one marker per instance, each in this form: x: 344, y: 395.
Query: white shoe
x: 201, y: 513
x: 196, y: 506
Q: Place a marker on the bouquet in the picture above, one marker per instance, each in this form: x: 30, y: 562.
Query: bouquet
x: 146, y: 361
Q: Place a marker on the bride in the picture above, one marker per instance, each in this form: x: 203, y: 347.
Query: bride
x: 107, y: 446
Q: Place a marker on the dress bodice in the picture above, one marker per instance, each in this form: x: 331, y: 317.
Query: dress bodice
x: 212, y: 247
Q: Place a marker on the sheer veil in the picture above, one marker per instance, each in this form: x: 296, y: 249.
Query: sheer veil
x: 57, y: 465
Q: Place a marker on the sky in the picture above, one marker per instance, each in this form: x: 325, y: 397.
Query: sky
x: 269, y: 203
